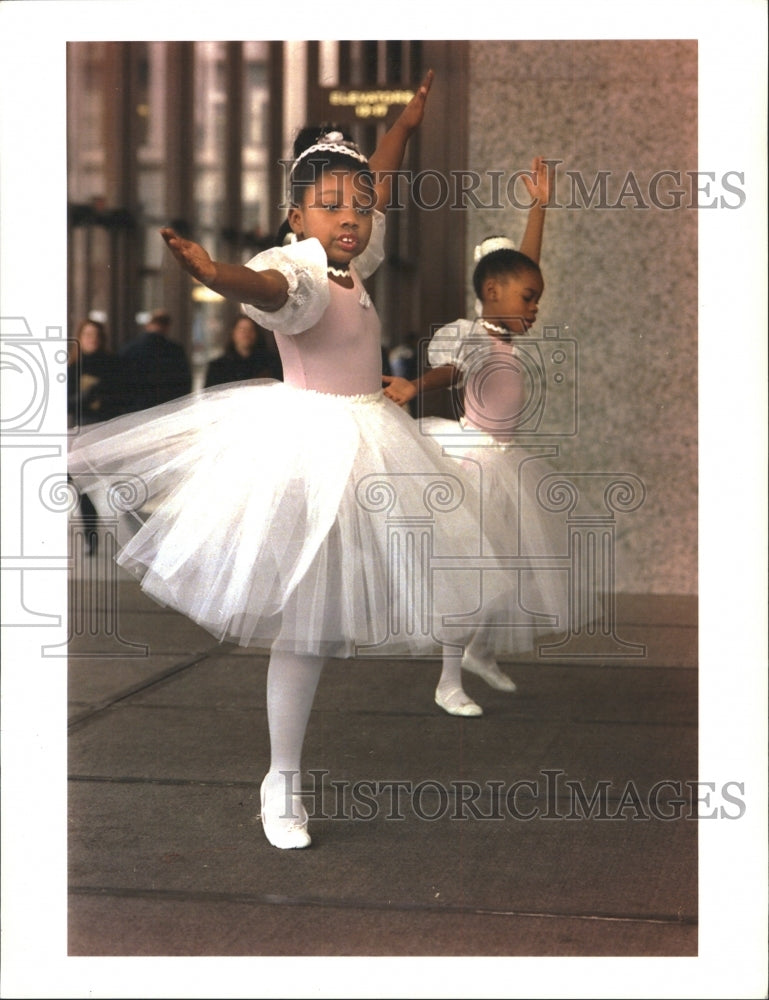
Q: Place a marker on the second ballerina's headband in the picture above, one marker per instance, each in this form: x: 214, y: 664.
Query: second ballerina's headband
x: 484, y: 248
x: 490, y: 244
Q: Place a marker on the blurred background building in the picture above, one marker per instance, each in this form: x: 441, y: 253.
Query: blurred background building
x: 192, y: 134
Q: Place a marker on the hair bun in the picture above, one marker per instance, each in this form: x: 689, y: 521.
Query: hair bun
x: 490, y: 244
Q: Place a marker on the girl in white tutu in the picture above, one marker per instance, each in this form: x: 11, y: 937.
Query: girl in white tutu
x: 267, y: 522
x: 480, y: 354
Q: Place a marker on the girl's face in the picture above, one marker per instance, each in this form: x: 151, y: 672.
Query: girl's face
x: 89, y: 339
x: 515, y: 300
x: 336, y: 211
x: 244, y: 337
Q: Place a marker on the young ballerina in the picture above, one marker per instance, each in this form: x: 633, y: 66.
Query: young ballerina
x: 298, y: 560
x: 479, y: 355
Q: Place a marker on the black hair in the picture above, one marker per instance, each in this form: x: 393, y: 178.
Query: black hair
x: 500, y: 263
x: 308, y: 170
x: 283, y: 231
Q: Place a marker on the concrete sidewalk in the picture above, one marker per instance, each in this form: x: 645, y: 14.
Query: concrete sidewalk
x: 547, y: 827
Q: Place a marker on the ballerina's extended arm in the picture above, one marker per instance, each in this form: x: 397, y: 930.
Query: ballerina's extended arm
x: 401, y: 390
x: 265, y: 290
x: 387, y: 158
x: 538, y: 185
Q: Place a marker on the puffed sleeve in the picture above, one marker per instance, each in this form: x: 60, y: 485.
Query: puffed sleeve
x: 367, y: 262
x: 449, y: 345
x: 303, y: 264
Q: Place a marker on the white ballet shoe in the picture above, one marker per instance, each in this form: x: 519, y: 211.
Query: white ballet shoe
x: 284, y: 823
x: 489, y: 671
x: 457, y: 702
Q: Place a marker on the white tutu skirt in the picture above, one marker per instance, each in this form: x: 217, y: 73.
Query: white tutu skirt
x: 287, y: 518
x: 529, y: 597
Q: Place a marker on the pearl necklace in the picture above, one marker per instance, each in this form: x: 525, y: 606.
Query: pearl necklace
x: 495, y: 328
x: 344, y: 272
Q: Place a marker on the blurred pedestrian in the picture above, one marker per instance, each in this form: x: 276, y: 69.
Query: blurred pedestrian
x: 404, y: 363
x: 246, y: 356
x: 94, y: 393
x: 156, y: 368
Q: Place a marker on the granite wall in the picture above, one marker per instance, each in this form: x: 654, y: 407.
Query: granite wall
x: 619, y: 261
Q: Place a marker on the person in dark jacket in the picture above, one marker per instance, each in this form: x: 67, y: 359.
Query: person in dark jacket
x: 95, y: 389
x: 95, y: 392
x: 156, y: 368
x: 246, y: 356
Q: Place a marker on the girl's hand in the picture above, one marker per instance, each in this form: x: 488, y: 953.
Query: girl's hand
x: 391, y: 148
x: 537, y: 181
x: 412, y: 114
x: 399, y: 390
x: 191, y: 256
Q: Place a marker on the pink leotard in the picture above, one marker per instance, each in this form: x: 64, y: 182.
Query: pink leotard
x: 341, y: 353
x: 328, y: 336
x: 493, y: 376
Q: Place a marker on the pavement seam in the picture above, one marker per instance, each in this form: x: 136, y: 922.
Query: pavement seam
x: 271, y: 899
x: 96, y: 710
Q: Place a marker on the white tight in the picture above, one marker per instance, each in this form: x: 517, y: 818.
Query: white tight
x: 451, y: 673
x: 292, y: 680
